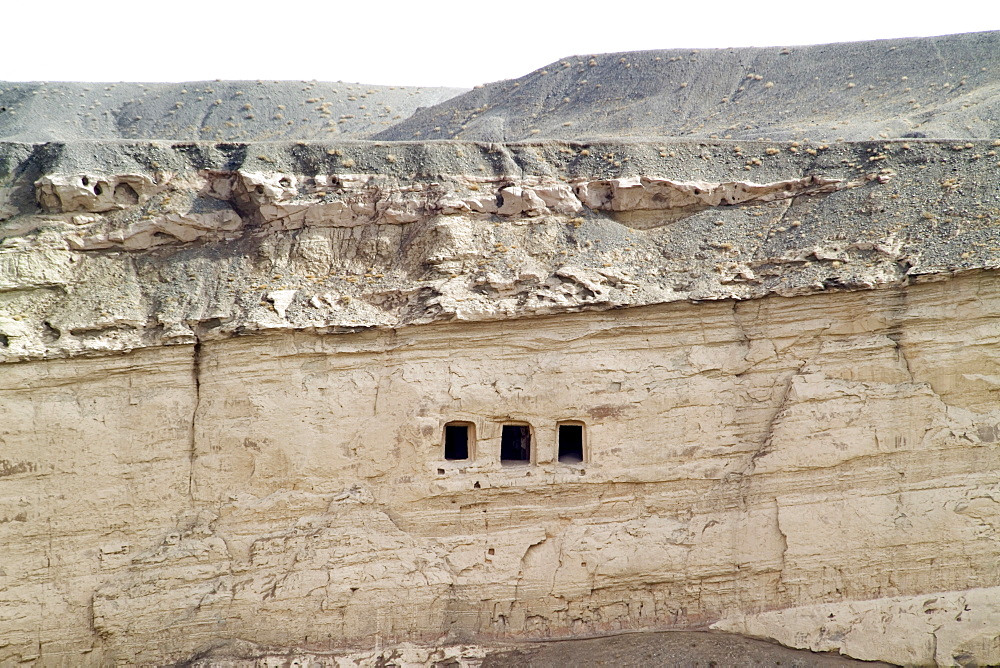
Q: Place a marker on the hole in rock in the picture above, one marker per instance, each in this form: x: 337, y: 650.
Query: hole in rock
x: 458, y: 440
x: 571, y: 443
x: 126, y: 194
x: 98, y: 189
x: 515, y: 444
x: 49, y: 333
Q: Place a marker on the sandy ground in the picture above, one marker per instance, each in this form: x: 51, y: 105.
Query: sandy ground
x: 694, y: 649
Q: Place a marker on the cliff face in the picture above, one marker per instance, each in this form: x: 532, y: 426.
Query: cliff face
x: 835, y: 452
x: 747, y: 386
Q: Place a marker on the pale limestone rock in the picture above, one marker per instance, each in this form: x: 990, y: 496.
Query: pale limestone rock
x: 281, y: 299
x: 60, y: 193
x: 747, y: 462
x: 589, y: 281
x: 520, y: 201
x: 558, y: 197
x: 264, y: 188
x: 35, y: 268
x: 640, y: 193
x: 282, y: 201
x: 169, y: 228
x: 482, y: 204
x: 16, y: 335
x: 951, y: 628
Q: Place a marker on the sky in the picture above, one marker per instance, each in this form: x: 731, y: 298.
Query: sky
x: 427, y: 43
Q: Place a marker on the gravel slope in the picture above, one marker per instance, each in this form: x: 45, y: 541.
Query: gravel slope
x: 936, y: 87
x: 202, y: 110
x: 945, y: 87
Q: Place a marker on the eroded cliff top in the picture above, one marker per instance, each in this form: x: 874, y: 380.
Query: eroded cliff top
x: 112, y: 244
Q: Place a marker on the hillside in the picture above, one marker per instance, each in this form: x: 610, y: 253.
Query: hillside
x: 945, y: 87
x: 206, y: 111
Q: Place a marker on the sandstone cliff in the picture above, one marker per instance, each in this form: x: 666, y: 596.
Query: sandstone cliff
x: 229, y: 368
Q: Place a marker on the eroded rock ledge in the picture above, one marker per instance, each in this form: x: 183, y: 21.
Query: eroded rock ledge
x: 293, y: 201
x: 97, y: 261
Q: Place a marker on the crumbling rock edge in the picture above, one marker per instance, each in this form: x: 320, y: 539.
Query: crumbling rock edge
x: 97, y: 261
x: 285, y: 201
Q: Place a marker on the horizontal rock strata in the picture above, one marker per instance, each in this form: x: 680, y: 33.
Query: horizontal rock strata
x: 228, y: 372
x: 742, y: 456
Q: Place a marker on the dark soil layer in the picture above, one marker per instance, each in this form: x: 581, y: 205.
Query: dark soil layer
x: 675, y: 648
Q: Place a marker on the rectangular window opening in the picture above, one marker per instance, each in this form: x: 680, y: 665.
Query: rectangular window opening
x: 457, y: 440
x: 571, y: 443
x: 515, y: 444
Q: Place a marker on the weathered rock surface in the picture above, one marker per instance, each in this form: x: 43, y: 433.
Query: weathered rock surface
x: 835, y: 451
x: 227, y: 370
x: 337, y: 237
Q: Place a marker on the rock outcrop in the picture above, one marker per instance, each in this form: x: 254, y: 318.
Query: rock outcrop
x: 307, y: 399
x: 116, y: 261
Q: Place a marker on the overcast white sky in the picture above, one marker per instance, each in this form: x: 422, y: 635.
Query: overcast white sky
x: 421, y: 43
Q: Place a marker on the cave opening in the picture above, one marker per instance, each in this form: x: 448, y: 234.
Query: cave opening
x: 571, y: 443
x: 457, y: 440
x: 515, y: 444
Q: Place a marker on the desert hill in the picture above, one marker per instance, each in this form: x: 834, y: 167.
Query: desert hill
x: 946, y: 87
x: 206, y: 110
